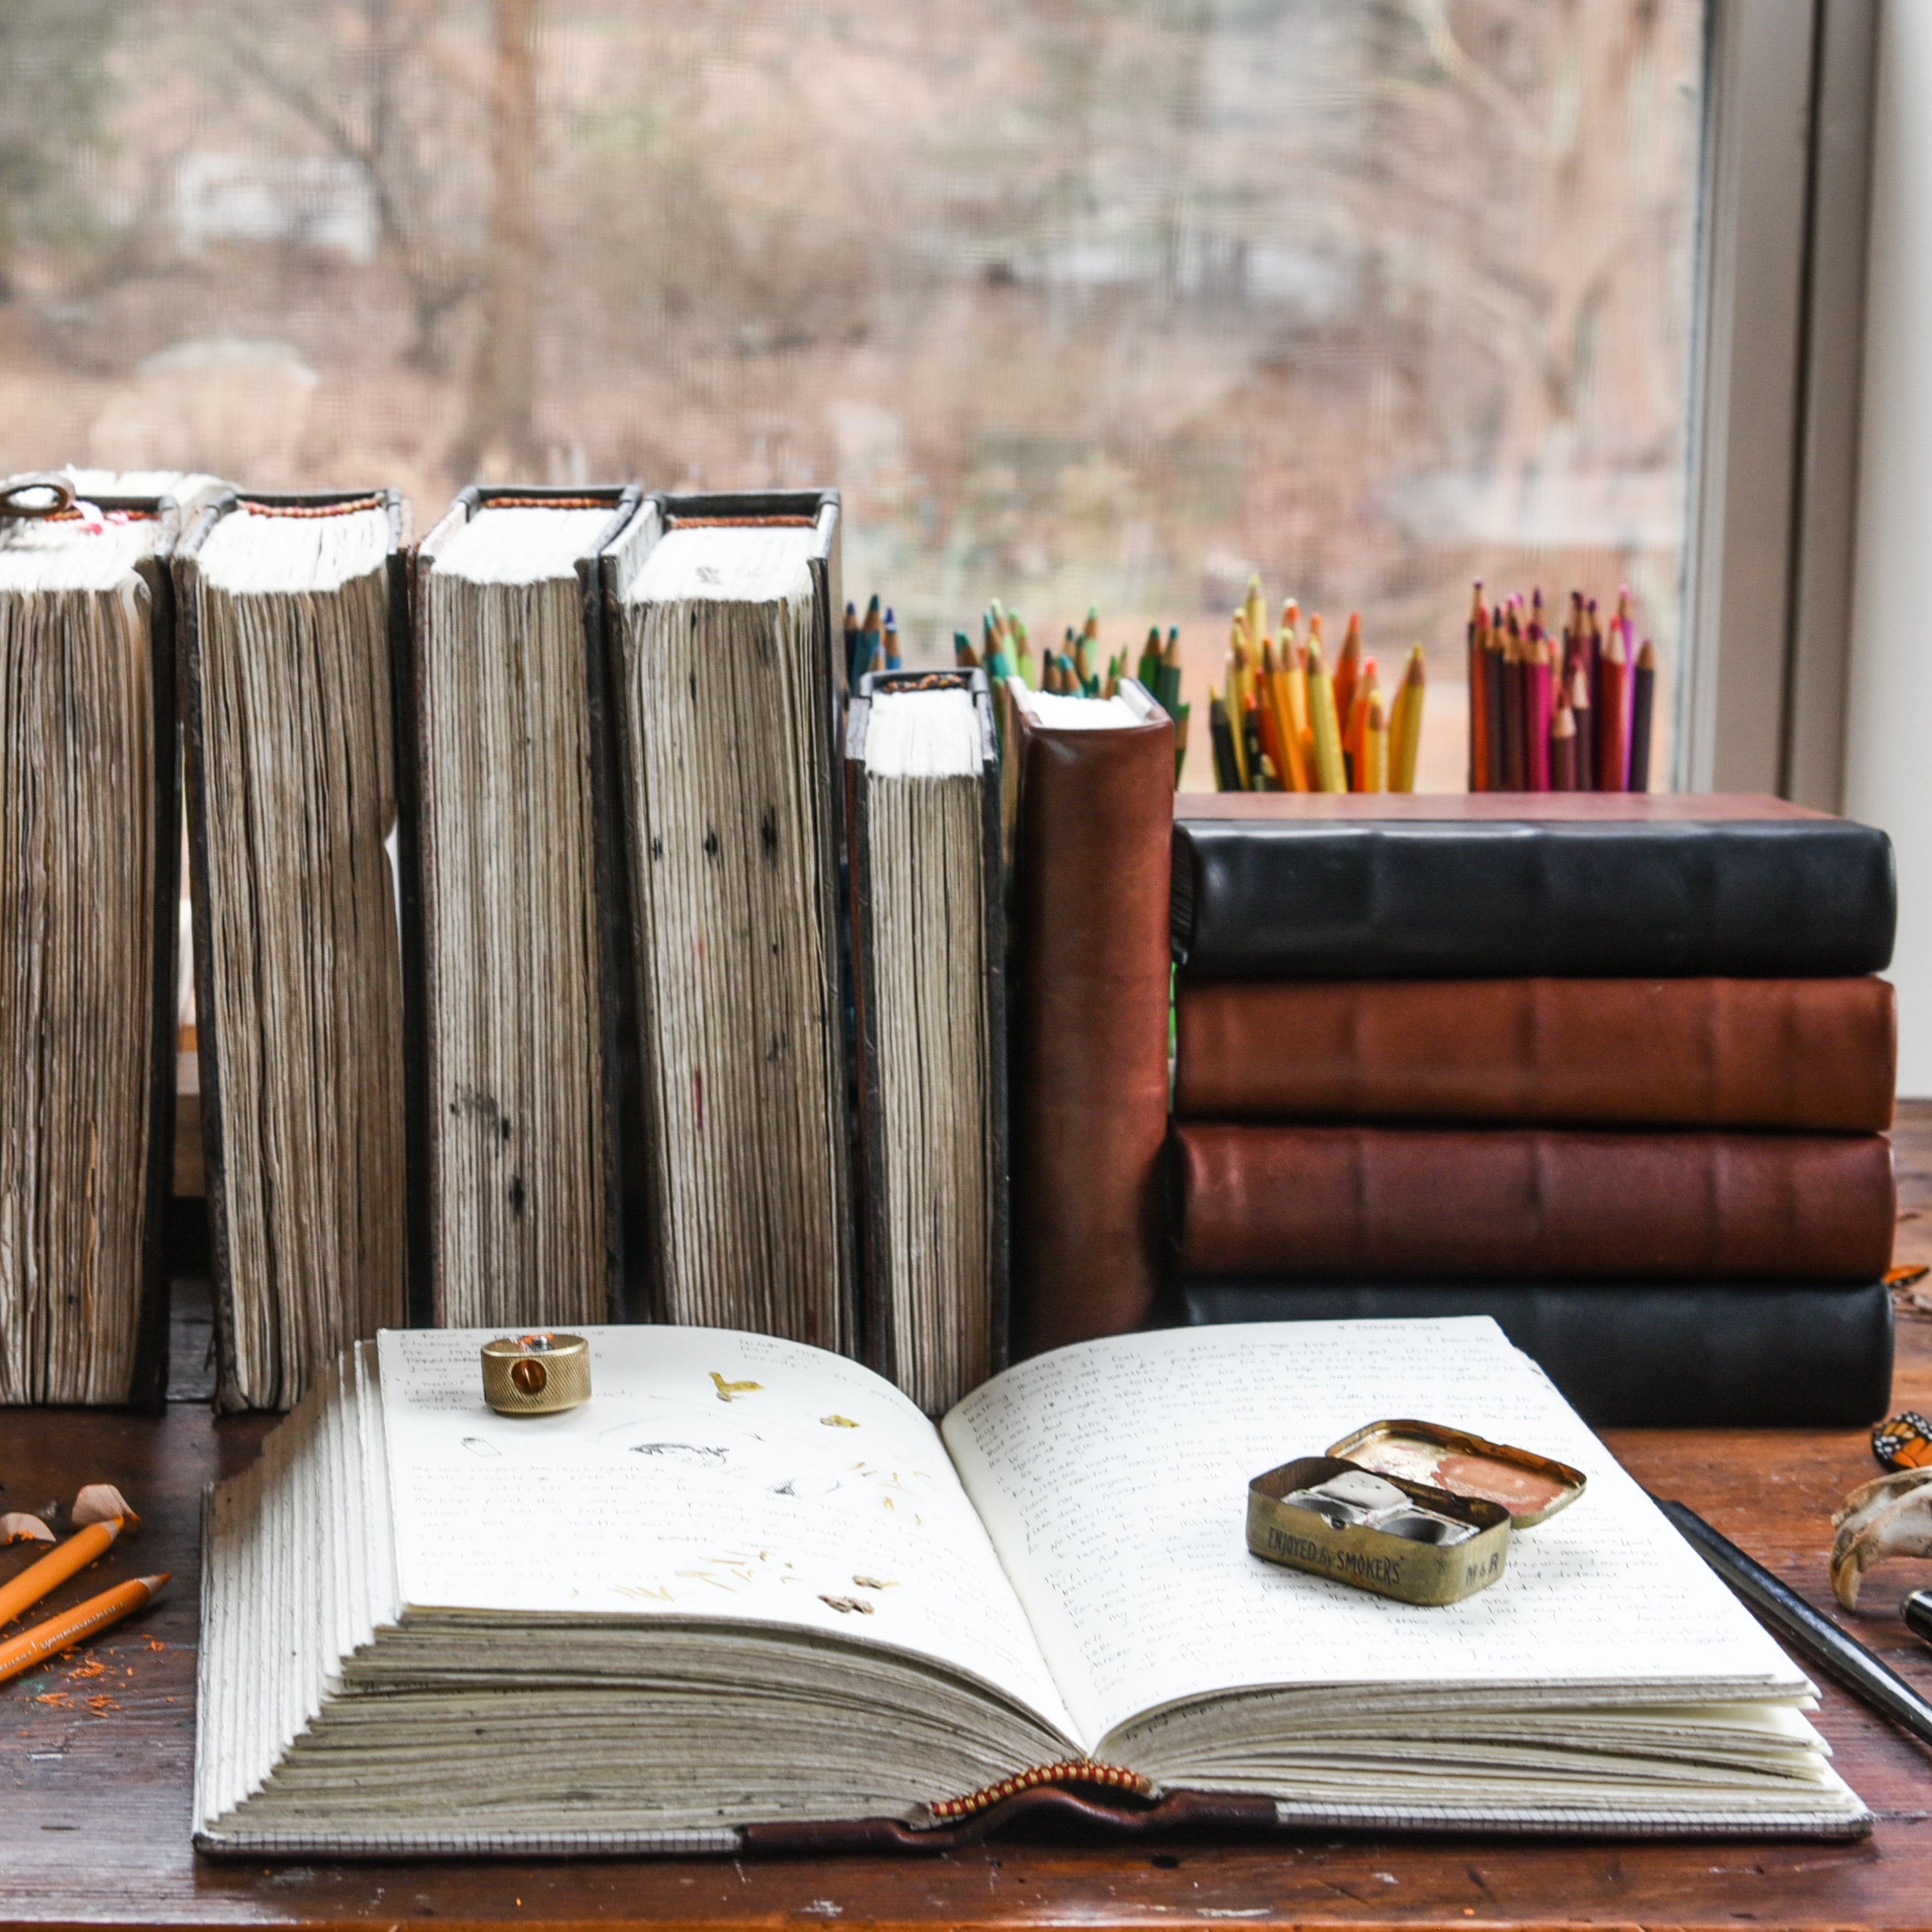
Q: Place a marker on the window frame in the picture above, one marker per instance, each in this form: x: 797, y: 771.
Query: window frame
x: 1773, y: 428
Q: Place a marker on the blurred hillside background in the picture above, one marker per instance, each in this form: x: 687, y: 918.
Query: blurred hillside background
x: 1078, y: 301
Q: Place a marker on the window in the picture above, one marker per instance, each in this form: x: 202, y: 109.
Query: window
x: 1079, y: 301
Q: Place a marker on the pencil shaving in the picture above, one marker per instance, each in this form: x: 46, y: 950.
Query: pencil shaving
x: 18, y: 1527
x: 102, y: 1502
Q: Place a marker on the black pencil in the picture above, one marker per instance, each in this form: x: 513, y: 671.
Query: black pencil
x: 1642, y: 699
x: 1811, y: 1635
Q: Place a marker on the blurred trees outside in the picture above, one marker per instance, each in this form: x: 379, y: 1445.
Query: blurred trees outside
x: 1078, y: 300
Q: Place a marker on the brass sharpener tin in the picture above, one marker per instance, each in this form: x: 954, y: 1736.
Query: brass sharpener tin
x: 542, y: 1373
x: 1370, y: 1558
x: 1531, y: 1487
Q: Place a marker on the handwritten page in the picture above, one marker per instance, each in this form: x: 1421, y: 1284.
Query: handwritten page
x: 712, y: 1475
x: 1113, y: 1477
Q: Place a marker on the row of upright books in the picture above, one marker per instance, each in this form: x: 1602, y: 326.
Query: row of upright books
x: 523, y: 957
x: 700, y: 988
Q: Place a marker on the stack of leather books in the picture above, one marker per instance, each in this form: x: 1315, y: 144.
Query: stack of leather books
x: 1614, y: 1069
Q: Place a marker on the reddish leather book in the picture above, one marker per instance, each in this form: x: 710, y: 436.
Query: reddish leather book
x: 1091, y: 812
x: 1512, y: 1203
x: 1814, y: 1053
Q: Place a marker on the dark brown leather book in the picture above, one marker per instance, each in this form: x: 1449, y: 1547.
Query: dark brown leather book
x: 1088, y: 994
x: 1511, y: 1203
x: 1814, y: 1053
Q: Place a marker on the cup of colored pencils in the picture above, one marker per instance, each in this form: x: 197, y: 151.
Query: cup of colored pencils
x: 1570, y: 712
x: 1285, y: 720
x: 1076, y: 670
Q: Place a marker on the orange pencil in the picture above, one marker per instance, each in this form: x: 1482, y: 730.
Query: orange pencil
x: 1269, y: 726
x: 75, y: 1626
x: 1291, y: 665
x: 1348, y: 673
x: 1355, y: 737
x: 1293, y: 774
x: 64, y: 1560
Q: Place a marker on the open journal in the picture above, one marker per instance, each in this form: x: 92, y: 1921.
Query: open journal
x: 748, y: 1586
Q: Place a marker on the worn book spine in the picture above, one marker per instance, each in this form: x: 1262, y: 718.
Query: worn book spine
x: 1516, y: 1203
x: 416, y: 875
x: 1811, y: 1053
x: 882, y: 1347
x: 1088, y: 997
x: 820, y: 509
x: 1598, y: 884
x: 229, y: 1395
x: 1636, y: 1355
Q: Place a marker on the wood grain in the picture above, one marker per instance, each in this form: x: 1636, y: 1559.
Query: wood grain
x: 94, y: 1802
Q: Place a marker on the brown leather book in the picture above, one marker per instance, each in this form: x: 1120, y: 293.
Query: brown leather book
x: 1091, y: 807
x: 1815, y: 1054
x: 1511, y: 1203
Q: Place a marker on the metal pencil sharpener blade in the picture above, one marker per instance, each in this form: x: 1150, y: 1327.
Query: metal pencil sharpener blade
x: 538, y: 1374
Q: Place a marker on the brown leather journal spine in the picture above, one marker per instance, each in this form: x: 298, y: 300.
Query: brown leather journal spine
x: 1812, y: 1054
x: 1420, y: 1203
x: 1089, y: 1006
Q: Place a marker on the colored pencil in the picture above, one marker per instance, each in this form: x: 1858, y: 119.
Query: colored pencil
x: 1405, y: 740
x: 1327, y: 728
x: 64, y: 1560
x: 1563, y: 748
x: 75, y: 1626
x: 1643, y: 697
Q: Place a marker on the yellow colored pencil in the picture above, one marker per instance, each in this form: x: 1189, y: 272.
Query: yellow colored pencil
x: 1375, y: 750
x: 1408, y: 743
x: 1328, y: 729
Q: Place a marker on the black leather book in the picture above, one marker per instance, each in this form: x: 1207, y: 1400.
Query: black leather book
x: 1638, y: 1354
x: 1280, y: 885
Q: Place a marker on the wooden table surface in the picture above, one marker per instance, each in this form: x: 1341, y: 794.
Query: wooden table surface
x: 94, y: 1767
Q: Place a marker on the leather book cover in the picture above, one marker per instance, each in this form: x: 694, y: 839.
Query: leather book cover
x: 880, y: 1343
x: 1088, y: 992
x: 1396, y: 1203
x: 1818, y: 1054
x: 417, y: 864
x: 1637, y: 1354
x: 1594, y: 884
x: 186, y: 570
